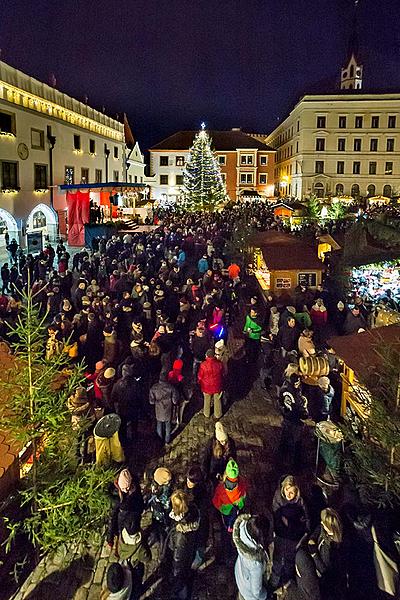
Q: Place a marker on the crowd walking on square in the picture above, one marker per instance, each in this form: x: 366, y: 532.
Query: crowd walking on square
x: 151, y: 315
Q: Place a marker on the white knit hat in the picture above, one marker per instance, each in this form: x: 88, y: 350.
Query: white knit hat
x: 220, y: 432
x: 220, y: 344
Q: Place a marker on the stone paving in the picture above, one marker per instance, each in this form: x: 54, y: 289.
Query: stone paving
x: 254, y: 423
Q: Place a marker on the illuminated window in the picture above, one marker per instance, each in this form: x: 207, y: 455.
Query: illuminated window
x: 371, y: 190
x: 339, y: 189
x: 283, y: 283
x: 69, y: 175
x: 39, y: 220
x: 246, y: 178
x: 389, y: 168
x: 180, y: 161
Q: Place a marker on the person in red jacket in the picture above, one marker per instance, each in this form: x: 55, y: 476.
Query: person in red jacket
x: 211, y: 380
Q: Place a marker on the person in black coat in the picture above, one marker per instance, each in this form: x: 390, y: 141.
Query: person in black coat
x: 294, y: 410
x: 198, y: 494
x: 129, y: 502
x: 182, y: 543
x: 288, y: 335
x: 126, y: 397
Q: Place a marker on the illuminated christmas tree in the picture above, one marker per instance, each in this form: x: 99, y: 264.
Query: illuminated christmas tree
x: 203, y: 186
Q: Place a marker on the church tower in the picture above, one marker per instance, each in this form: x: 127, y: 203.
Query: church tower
x: 352, y: 74
x: 351, y: 77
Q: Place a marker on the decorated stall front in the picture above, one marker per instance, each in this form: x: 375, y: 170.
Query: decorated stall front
x: 360, y: 354
x: 281, y: 262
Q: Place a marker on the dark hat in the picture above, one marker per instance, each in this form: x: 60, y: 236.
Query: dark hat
x: 195, y: 474
x: 115, y: 577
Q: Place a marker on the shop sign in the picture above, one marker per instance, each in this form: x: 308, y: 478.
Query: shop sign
x: 34, y: 242
x: 283, y: 283
x: 307, y: 279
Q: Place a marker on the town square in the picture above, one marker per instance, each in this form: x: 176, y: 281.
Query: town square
x: 200, y: 300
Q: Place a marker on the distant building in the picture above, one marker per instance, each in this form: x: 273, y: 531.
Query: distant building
x: 47, y: 139
x: 339, y: 144
x: 246, y: 164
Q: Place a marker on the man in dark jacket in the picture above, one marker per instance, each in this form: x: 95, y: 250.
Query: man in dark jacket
x: 288, y: 335
x: 126, y: 398
x: 354, y: 321
x: 164, y: 396
x: 198, y: 494
x: 200, y: 342
x: 294, y: 410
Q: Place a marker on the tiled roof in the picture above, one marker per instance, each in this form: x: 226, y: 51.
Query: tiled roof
x: 221, y: 140
x: 283, y: 252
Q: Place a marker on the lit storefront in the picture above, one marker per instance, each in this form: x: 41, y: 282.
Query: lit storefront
x: 281, y: 262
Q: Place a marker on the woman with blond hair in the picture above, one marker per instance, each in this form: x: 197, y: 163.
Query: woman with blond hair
x: 182, y: 542
x: 319, y: 572
x: 291, y: 523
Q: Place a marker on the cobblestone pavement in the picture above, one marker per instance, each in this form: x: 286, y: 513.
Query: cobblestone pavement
x: 254, y: 423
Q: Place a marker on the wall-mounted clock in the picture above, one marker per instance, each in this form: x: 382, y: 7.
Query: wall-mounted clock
x: 23, y: 151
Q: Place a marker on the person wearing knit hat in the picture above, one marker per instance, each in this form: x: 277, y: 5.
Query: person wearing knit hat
x: 219, y: 450
x: 160, y: 505
x: 220, y: 433
x: 124, y: 481
x: 230, y: 495
x: 129, y: 501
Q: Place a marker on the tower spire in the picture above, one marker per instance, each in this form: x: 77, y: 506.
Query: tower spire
x: 351, y: 75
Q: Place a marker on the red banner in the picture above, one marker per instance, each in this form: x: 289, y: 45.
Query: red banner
x: 78, y: 215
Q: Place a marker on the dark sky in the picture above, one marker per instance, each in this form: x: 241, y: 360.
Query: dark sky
x: 169, y: 64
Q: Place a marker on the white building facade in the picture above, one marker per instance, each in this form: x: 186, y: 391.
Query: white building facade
x: 346, y: 143
x: 47, y: 139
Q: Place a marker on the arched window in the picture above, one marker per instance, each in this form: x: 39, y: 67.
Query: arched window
x: 319, y: 190
x: 39, y: 219
x: 345, y: 75
x: 339, y: 189
x: 371, y: 190
x: 387, y: 191
x: 355, y: 190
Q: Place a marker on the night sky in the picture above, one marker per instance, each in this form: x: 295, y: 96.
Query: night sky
x: 169, y: 64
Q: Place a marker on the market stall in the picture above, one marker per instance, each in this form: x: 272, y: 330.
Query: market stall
x: 326, y: 244
x: 281, y: 262
x: 360, y: 356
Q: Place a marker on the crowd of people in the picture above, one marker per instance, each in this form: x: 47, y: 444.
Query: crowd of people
x: 151, y: 314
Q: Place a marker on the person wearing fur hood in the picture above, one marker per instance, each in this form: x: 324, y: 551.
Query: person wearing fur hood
x: 251, y: 537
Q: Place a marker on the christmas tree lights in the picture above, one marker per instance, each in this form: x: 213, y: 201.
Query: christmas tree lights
x: 203, y: 186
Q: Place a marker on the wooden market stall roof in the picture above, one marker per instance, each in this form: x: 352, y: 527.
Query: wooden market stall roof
x: 326, y: 238
x: 361, y: 351
x: 284, y: 252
